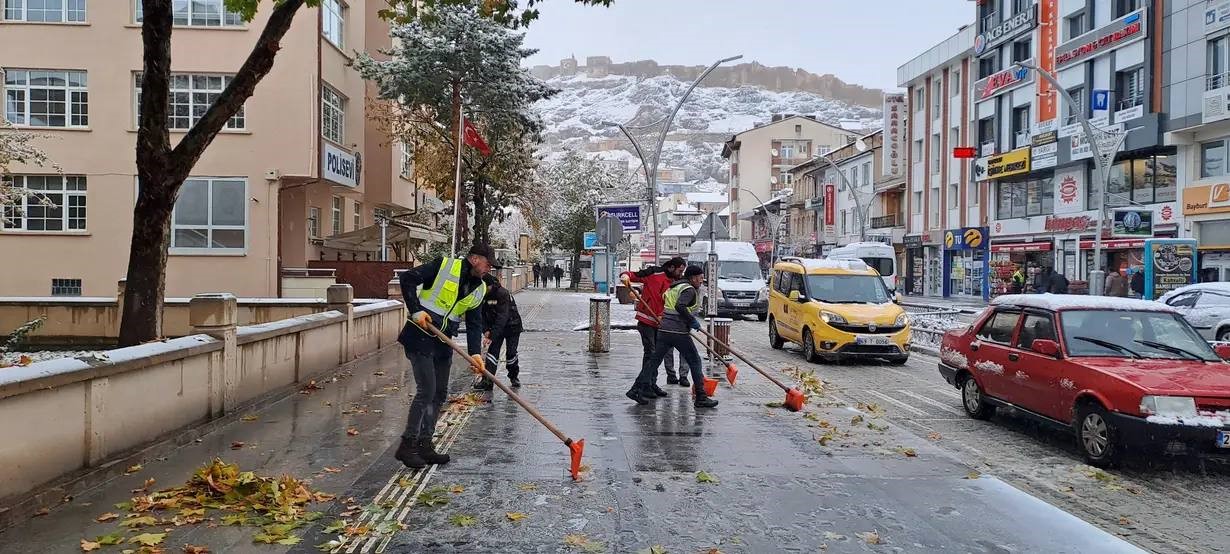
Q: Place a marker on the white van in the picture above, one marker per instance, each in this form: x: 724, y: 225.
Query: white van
x: 741, y: 283
x: 880, y: 256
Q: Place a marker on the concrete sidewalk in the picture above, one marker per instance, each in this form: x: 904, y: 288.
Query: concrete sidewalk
x: 832, y: 477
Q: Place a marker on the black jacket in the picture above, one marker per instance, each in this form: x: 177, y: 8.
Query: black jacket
x: 1138, y: 282
x: 680, y: 319
x: 1058, y: 284
x: 412, y: 336
x: 500, y: 313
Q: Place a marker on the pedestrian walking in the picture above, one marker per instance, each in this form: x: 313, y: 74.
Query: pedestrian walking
x: 655, y: 281
x: 537, y: 272
x: 1057, y: 284
x: 452, y: 288
x: 502, y: 323
x: 1042, y: 281
x: 559, y: 275
x: 1117, y: 283
x: 682, y: 303
x: 1018, y: 280
x: 1138, y: 282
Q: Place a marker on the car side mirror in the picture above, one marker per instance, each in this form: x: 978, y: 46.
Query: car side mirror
x: 795, y: 296
x: 1223, y: 351
x: 1046, y: 347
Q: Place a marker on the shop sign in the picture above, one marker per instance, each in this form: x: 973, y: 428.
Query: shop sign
x: 1131, y: 222
x: 1005, y: 31
x: 1207, y: 199
x: 629, y: 215
x: 1117, y: 34
x: 1169, y: 264
x: 1135, y: 112
x: 1069, y: 191
x: 590, y: 240
x: 1044, y: 156
x: 1068, y: 224
x: 830, y: 199
x: 1044, y: 138
x: 1008, y: 164
x: 1048, y: 37
x: 1215, y: 105
x: 894, y: 134
x: 965, y: 238
x: 1216, y: 17
x: 1022, y: 247
x: 912, y: 241
x: 1080, y: 145
x: 339, y: 166
x: 995, y: 84
x: 1114, y: 244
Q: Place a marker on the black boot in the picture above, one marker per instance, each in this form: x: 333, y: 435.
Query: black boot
x: 683, y: 382
x: 703, y: 401
x: 515, y: 382
x: 637, y: 395
x: 408, y: 454
x: 428, y: 451
x: 672, y: 379
x: 658, y: 391
x: 484, y: 384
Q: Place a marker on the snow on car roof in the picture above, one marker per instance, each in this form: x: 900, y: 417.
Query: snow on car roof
x: 1079, y: 302
x: 1218, y: 286
x: 830, y: 264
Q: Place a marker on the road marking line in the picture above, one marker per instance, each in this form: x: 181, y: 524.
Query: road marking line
x: 951, y: 394
x: 939, y: 405
x: 888, y: 398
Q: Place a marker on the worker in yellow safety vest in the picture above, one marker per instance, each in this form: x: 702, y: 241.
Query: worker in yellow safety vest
x: 682, y: 305
x: 452, y: 288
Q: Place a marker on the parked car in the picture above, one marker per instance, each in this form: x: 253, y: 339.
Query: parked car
x: 741, y: 284
x: 1205, y: 306
x: 882, y: 257
x: 836, y: 309
x: 1122, y: 374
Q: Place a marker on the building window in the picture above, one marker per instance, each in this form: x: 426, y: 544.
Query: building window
x: 1076, y: 26
x: 66, y: 287
x: 358, y: 215
x: 919, y: 101
x: 843, y: 221
x: 1019, y: 6
x: 918, y: 151
x: 332, y: 114
x: 211, y: 215
x: 46, y: 98
x: 333, y: 21
x: 407, y: 160
x: 935, y: 208
x: 1124, y: 7
x: 853, y: 177
x: 935, y: 153
x: 313, y: 222
x: 786, y: 151
x: 1213, y: 159
x: 336, y: 212
x: 987, y: 66
x: 45, y: 11
x: 918, y: 202
x: 190, y: 97
x: 1130, y: 88
x: 47, y: 203
x: 1077, y: 107
x: 971, y: 189
x: 954, y: 83
x: 1145, y: 181
x: 987, y: 17
x: 1022, y: 50
x: 936, y: 96
x: 1020, y: 126
x: 1026, y: 198
x: 986, y: 136
x: 787, y: 178
x: 198, y: 13
x: 953, y: 196
x: 1216, y: 64
x: 866, y: 174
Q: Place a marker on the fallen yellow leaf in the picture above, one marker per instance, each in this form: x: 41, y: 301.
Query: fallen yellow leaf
x: 249, y: 417
x: 352, y: 431
x: 871, y: 537
x: 148, y: 539
x: 133, y: 469
x: 87, y: 546
x: 515, y: 516
x: 194, y: 549
x: 107, y: 517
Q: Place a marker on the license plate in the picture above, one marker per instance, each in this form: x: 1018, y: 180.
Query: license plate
x: 873, y: 340
x: 741, y: 303
x: 1223, y: 439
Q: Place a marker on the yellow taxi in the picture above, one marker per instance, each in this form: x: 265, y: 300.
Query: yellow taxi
x: 836, y: 309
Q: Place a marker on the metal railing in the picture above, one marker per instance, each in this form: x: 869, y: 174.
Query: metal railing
x: 1217, y: 81
x: 1131, y: 101
x: 989, y: 20
x: 1022, y: 139
x: 883, y: 221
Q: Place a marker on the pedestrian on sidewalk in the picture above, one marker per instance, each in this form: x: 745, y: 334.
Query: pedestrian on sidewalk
x: 503, y: 327
x: 1117, y: 283
x: 452, y: 288
x: 655, y: 281
x: 537, y: 272
x: 558, y: 272
x: 682, y: 304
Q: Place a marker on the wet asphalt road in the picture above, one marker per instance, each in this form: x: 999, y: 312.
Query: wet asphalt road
x: 910, y: 473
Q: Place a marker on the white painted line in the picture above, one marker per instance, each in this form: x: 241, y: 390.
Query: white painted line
x: 939, y: 405
x: 899, y: 403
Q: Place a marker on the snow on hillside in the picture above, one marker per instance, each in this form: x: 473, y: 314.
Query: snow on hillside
x: 574, y: 117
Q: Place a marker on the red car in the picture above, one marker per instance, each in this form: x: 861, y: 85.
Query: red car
x: 1124, y: 375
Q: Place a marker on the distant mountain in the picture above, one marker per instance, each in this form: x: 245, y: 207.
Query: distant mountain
x: 588, y: 97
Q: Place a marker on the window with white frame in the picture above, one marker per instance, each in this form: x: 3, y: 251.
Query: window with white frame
x: 407, y: 160
x: 191, y: 95
x: 971, y: 190
x: 1130, y: 88
x: 1217, y: 62
x: 1213, y: 159
x: 336, y: 213
x: 313, y: 222
x: 197, y: 13
x: 954, y: 83
x: 358, y: 215
x: 211, y: 215
x: 53, y: 203
x: 66, y: 287
x: 46, y: 98
x: 917, y: 204
x: 786, y: 151
x: 953, y: 196
x: 332, y: 114
x: 1077, y: 107
x: 866, y: 174
x: 333, y: 21
x: 45, y: 11
x: 935, y: 153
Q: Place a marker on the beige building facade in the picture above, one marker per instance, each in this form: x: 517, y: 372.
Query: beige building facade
x: 299, y: 164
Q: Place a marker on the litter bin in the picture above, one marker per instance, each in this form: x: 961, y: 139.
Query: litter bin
x: 600, y: 324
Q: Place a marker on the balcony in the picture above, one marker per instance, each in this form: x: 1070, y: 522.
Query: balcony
x: 988, y: 21
x: 1136, y: 99
x: 885, y: 221
x: 987, y: 148
x: 1213, y: 82
x: 1021, y: 139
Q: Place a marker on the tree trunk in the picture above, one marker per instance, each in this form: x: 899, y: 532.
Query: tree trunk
x: 162, y: 170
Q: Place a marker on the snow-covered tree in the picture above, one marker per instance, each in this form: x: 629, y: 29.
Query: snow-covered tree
x: 17, y: 147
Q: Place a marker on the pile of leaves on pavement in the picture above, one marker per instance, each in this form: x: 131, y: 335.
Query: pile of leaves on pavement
x: 277, y: 506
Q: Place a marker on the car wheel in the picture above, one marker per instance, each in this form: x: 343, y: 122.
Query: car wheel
x: 973, y: 401
x: 775, y: 340
x: 762, y: 317
x: 809, y: 347
x: 1223, y: 335
x: 1096, y: 436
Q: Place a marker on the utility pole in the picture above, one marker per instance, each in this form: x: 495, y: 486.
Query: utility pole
x: 858, y: 203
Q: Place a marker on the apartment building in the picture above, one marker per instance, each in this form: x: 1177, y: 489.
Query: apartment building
x: 299, y: 165
x: 760, y: 160
x: 940, y: 193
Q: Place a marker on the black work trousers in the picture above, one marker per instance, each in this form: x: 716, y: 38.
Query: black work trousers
x: 687, y: 350
x: 431, y: 368
x: 649, y: 341
x: 510, y: 341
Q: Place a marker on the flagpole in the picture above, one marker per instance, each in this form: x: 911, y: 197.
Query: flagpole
x: 457, y: 207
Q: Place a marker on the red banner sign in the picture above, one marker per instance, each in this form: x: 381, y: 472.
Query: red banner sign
x: 1061, y: 224
x: 1048, y: 38
x: 830, y: 198
x: 1117, y: 244
x: 1022, y: 247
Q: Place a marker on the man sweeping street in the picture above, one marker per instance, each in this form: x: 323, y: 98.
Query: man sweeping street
x: 503, y: 327
x: 654, y: 283
x: 452, y: 288
x: 682, y: 303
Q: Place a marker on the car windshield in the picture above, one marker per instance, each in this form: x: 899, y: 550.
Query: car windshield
x: 883, y: 265
x: 847, y: 289
x: 1133, y: 334
x: 739, y: 270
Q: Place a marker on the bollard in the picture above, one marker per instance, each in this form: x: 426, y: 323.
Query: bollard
x: 600, y: 324
x: 720, y: 356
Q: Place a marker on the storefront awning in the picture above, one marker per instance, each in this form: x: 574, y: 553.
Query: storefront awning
x: 1115, y: 244
x: 1022, y: 247
x: 367, y: 239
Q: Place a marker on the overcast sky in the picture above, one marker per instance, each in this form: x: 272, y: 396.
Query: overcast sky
x: 859, y: 41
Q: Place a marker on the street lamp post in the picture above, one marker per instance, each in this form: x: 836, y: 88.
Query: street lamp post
x: 651, y: 170
x: 1097, y: 277
x: 783, y: 194
x: 861, y: 145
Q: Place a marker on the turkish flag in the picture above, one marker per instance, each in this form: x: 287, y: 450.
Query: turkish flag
x: 472, y: 138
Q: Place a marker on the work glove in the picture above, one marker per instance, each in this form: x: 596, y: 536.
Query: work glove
x: 421, y: 318
x: 695, y: 324
x: 627, y: 281
x: 477, y: 363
